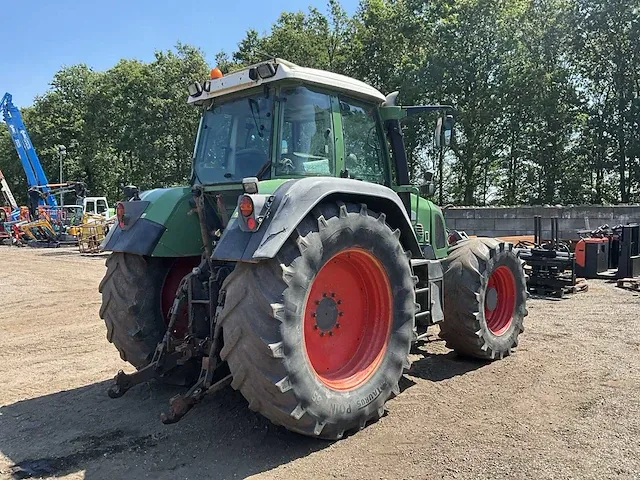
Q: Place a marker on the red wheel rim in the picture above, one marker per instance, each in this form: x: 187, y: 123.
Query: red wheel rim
x: 500, y: 300
x: 176, y: 273
x: 347, y: 319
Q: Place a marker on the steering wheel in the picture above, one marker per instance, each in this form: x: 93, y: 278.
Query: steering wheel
x: 286, y: 166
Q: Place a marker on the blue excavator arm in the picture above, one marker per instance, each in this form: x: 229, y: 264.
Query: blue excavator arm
x: 28, y: 156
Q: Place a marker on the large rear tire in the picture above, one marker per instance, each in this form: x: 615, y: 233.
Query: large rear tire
x: 317, y: 338
x: 136, y: 294
x: 485, y: 298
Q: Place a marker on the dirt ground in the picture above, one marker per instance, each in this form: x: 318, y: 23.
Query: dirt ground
x: 566, y: 405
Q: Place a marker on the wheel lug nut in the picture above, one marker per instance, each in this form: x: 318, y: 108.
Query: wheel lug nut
x: 333, y: 294
x: 315, y: 327
x: 339, y: 302
x: 340, y: 313
x: 322, y: 334
x: 324, y: 295
x: 337, y: 325
x: 330, y: 333
x: 313, y: 314
x: 317, y: 302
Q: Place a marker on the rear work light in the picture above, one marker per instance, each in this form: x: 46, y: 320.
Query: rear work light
x: 120, y: 214
x: 263, y: 71
x: 246, y: 206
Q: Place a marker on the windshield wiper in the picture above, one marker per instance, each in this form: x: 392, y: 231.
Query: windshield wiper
x: 252, y: 102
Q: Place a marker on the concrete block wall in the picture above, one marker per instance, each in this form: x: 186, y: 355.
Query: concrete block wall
x: 509, y: 221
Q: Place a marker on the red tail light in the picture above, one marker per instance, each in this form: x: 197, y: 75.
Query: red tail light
x: 120, y: 214
x: 246, y: 206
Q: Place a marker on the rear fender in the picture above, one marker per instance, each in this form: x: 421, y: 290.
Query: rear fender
x: 293, y: 201
x: 161, y: 224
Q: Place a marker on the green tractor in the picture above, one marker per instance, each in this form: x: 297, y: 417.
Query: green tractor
x: 300, y: 265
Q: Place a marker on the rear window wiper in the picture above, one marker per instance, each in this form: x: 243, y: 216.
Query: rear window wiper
x: 252, y: 102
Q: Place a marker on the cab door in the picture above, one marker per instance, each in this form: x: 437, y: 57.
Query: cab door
x: 428, y: 223
x: 363, y: 155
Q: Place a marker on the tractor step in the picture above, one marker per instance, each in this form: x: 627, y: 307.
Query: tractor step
x: 428, y: 288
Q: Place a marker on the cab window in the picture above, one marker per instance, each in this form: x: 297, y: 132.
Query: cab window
x: 440, y: 236
x: 101, y: 206
x: 363, y: 157
x: 306, y: 144
x: 234, y: 140
x: 90, y: 206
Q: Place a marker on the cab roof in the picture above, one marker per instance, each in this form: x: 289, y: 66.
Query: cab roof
x: 248, y: 78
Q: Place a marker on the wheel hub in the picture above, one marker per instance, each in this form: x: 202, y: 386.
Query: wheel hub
x: 326, y: 314
x: 491, y: 300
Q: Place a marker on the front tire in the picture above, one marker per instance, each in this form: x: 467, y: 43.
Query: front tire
x: 485, y: 298
x: 317, y: 338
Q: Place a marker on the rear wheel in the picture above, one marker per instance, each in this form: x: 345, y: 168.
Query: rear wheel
x: 485, y: 298
x: 317, y: 338
x: 137, y: 293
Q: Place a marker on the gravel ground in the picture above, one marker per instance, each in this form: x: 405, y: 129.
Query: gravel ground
x: 566, y: 405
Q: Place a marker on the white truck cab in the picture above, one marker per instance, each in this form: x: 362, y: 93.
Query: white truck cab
x: 96, y: 206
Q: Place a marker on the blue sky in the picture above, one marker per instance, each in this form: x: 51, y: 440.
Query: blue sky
x: 47, y: 34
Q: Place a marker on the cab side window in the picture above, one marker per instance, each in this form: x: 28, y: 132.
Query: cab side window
x: 440, y: 236
x: 306, y: 144
x: 363, y: 157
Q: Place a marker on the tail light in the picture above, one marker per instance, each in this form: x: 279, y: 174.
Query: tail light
x: 253, y: 210
x: 245, y: 205
x: 120, y: 214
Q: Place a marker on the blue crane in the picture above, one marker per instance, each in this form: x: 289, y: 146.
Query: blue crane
x: 36, y: 177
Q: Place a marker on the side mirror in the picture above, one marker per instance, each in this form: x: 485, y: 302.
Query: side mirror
x: 448, y: 130
x: 444, y: 134
x: 427, y: 189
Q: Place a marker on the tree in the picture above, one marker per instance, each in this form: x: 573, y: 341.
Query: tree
x: 129, y: 124
x: 606, y: 45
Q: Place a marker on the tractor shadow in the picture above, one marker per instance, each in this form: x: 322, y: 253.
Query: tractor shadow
x: 440, y: 366
x: 82, y: 430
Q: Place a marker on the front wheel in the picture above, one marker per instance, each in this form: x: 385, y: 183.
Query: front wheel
x: 485, y: 298
x: 317, y: 338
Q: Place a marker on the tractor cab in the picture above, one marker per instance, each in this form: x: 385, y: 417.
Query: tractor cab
x: 276, y: 121
x: 279, y: 120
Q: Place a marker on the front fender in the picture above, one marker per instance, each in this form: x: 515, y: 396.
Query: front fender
x: 161, y: 224
x: 294, y: 199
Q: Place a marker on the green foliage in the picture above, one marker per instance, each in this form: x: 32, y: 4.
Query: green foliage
x: 129, y: 124
x: 547, y: 94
